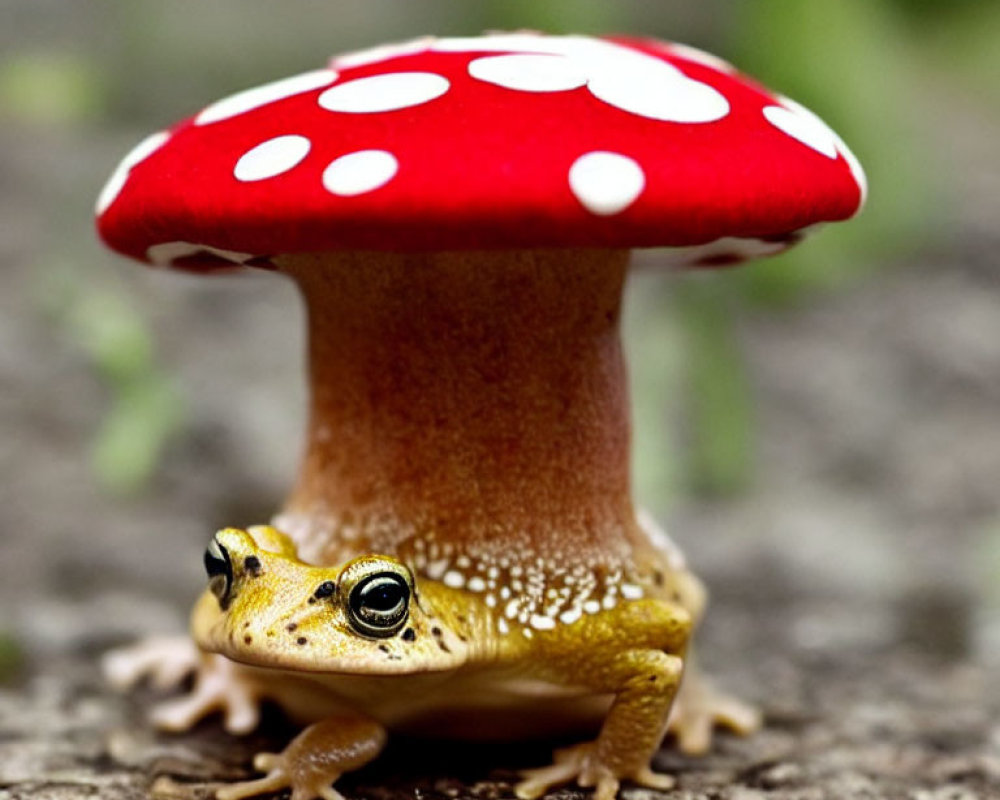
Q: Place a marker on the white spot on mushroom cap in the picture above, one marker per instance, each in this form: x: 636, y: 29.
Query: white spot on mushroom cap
x: 258, y: 96
x: 389, y: 92
x: 799, y: 122
x: 529, y: 72
x: 272, y: 157
x: 359, y: 172
x: 620, y: 76
x: 119, y: 177
x: 606, y: 183
x: 806, y: 128
x: 665, y: 96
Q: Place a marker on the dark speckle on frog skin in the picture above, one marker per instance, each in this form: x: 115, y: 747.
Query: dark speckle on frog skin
x: 409, y: 635
x: 436, y: 631
x: 301, y: 640
x: 247, y: 639
x: 325, y: 589
x: 252, y: 565
x: 383, y: 648
x: 292, y: 627
x: 443, y: 646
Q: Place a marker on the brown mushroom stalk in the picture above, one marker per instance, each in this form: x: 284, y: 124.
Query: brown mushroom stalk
x: 481, y: 395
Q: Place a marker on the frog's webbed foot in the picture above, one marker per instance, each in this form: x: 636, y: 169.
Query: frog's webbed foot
x: 219, y: 685
x: 700, y: 707
x: 583, y: 764
x: 313, y: 760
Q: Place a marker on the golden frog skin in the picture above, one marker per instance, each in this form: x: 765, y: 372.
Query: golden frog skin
x: 403, y: 642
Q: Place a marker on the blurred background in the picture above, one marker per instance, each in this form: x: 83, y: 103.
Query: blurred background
x: 821, y: 431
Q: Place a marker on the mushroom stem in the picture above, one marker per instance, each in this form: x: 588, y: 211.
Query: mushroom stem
x: 477, y: 395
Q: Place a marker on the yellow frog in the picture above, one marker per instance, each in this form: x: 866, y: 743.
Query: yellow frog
x: 421, y: 642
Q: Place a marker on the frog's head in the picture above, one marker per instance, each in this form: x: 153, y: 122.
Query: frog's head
x: 267, y: 608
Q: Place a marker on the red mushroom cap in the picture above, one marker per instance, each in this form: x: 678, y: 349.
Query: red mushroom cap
x: 500, y: 141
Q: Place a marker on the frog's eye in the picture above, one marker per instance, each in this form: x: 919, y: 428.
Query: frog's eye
x: 378, y: 605
x: 220, y: 571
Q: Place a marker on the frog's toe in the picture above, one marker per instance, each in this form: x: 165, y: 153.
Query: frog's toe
x: 219, y: 686
x: 653, y: 780
x: 579, y: 763
x: 313, y: 760
x: 700, y: 707
x: 280, y: 774
x: 164, y: 660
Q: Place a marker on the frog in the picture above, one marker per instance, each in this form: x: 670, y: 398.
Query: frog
x: 408, y: 641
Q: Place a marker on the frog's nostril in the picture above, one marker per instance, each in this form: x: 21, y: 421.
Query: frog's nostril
x: 325, y: 589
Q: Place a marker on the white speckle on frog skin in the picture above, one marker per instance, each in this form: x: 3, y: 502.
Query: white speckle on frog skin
x: 271, y: 158
x: 436, y: 569
x: 360, y: 172
x: 389, y: 92
x: 541, y: 622
x: 119, y: 177
x: 454, y: 579
x: 571, y: 616
x: 606, y: 183
x: 545, y: 595
x: 258, y: 96
x: 631, y: 592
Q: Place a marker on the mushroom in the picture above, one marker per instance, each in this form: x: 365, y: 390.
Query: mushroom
x: 458, y: 214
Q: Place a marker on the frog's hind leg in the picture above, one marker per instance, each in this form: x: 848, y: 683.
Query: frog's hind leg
x: 313, y: 760
x: 219, y: 684
x: 701, y: 707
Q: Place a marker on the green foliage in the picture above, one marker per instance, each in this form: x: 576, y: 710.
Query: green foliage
x: 719, y: 405
x: 145, y: 409
x: 11, y: 659
x: 51, y: 87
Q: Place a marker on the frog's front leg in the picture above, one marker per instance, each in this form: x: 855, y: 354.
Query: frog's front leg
x: 313, y: 760
x: 645, y: 683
